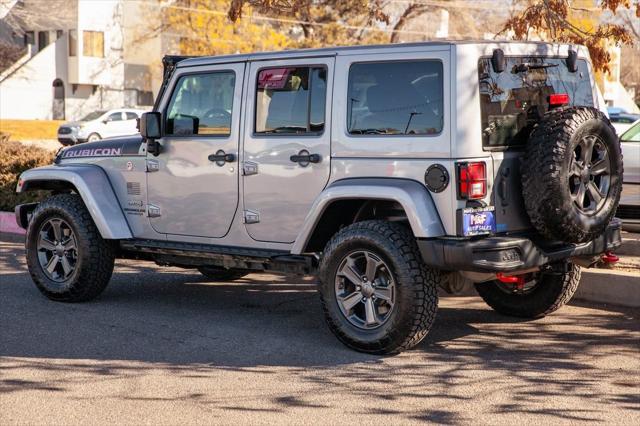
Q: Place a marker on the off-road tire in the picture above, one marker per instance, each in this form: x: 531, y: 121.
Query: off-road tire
x: 551, y: 292
x: 416, y: 287
x: 220, y: 274
x: 545, y: 174
x: 95, y: 258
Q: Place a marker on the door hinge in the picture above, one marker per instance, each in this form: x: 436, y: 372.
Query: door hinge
x: 251, y: 216
x: 153, y: 166
x: 249, y: 168
x: 153, y: 211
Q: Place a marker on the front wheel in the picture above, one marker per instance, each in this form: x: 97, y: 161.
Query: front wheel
x: 93, y: 137
x: 542, y: 293
x: 67, y: 258
x: 376, y: 292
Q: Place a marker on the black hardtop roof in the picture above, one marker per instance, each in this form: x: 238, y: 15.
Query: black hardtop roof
x: 334, y: 51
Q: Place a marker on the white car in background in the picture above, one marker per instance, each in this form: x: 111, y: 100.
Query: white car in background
x: 629, y: 208
x: 98, y: 125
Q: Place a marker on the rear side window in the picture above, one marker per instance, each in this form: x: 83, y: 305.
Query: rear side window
x: 395, y: 98
x: 291, y: 100
x: 201, y: 104
x: 131, y: 115
x: 512, y: 101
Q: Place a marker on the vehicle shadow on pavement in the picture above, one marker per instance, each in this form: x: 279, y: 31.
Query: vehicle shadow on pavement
x: 265, y: 324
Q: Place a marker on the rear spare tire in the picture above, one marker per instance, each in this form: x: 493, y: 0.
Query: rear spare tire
x: 572, y: 174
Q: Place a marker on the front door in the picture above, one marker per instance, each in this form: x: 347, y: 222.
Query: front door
x: 286, y: 145
x: 194, y: 188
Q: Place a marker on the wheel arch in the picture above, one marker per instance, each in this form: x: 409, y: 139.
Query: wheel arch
x: 355, y: 199
x: 92, y: 184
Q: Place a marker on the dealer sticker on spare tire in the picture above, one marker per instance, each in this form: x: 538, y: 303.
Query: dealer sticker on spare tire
x: 478, y: 221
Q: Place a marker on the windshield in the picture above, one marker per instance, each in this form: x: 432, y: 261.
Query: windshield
x: 93, y: 115
x: 511, y: 102
x: 632, y: 135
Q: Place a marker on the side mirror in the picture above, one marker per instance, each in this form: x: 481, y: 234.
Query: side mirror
x: 150, y: 131
x: 150, y: 125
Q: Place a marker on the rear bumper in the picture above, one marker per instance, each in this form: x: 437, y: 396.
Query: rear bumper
x: 511, y: 253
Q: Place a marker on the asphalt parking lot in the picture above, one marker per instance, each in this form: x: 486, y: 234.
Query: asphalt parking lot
x: 163, y: 346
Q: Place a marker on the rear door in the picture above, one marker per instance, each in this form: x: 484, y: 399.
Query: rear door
x: 192, y: 187
x: 286, y: 145
x: 511, y: 103
x: 130, y: 123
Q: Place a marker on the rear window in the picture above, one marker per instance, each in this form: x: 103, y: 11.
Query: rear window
x: 511, y: 102
x: 395, y: 98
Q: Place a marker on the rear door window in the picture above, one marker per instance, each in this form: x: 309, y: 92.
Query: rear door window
x: 512, y: 101
x: 291, y: 100
x: 395, y: 98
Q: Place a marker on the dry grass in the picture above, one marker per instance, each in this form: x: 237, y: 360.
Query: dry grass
x: 14, y: 159
x: 20, y: 130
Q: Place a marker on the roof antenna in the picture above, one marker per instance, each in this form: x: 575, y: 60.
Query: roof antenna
x: 497, y: 61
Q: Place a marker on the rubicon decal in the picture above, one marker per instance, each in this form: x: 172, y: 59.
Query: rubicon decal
x: 110, y: 147
x: 96, y: 152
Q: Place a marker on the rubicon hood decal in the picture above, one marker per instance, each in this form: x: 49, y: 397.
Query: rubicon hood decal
x: 111, y: 147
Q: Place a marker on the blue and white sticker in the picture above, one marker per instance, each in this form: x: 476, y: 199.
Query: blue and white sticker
x: 478, y: 221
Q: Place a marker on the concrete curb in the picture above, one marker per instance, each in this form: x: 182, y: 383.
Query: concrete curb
x: 609, y: 286
x: 9, y: 225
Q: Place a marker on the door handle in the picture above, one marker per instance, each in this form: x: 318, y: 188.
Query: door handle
x: 220, y: 158
x: 303, y: 158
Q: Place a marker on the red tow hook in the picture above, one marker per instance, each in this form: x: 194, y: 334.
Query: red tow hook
x: 518, y: 280
x: 609, y: 257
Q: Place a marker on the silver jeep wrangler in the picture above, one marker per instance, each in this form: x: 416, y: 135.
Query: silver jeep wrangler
x: 386, y: 170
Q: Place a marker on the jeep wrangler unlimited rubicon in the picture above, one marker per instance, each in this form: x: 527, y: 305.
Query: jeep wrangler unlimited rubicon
x: 386, y: 170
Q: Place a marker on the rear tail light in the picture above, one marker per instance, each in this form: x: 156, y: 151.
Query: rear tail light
x: 472, y: 180
x: 558, y: 99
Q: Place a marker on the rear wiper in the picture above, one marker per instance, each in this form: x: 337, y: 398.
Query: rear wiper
x: 531, y: 66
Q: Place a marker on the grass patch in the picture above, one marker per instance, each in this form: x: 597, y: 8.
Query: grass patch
x: 30, y: 129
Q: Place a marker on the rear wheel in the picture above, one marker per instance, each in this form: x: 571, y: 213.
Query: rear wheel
x: 377, y: 294
x: 93, y: 137
x: 542, y: 293
x: 220, y: 274
x: 67, y: 258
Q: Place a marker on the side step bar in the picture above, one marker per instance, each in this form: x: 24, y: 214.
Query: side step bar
x: 192, y: 255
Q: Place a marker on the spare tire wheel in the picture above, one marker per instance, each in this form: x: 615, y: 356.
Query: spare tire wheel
x: 572, y: 174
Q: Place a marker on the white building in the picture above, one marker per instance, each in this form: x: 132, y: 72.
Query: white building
x: 79, y: 56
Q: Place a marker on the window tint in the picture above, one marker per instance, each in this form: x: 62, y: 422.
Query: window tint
x: 392, y: 98
x: 201, y: 104
x: 131, y: 115
x: 291, y: 100
x: 116, y: 116
x: 511, y: 102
